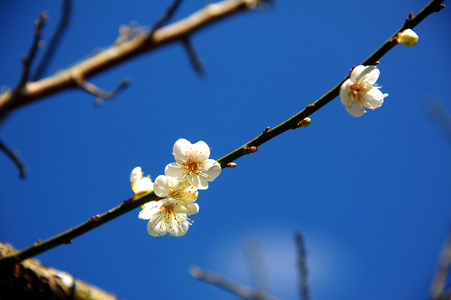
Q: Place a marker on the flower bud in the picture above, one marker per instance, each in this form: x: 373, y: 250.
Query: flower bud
x: 408, y: 38
x: 305, y: 123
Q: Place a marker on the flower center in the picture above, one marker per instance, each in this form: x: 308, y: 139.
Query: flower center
x: 192, y: 167
x: 357, y: 90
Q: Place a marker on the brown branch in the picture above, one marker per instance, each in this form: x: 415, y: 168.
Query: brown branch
x: 54, y: 41
x: 304, y: 291
x: 32, y: 280
x: 15, y: 159
x: 232, y: 287
x: 27, y: 60
x: 165, y: 19
x: 117, y: 54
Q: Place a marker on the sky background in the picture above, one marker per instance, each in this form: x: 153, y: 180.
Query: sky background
x: 371, y: 195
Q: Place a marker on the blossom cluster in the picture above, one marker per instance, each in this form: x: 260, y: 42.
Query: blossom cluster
x: 178, y: 188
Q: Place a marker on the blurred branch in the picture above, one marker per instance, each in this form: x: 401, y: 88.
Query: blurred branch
x: 67, y: 236
x: 15, y: 158
x: 116, y: 54
x: 440, y: 116
x: 232, y: 287
x: 292, y: 123
x: 27, y: 60
x: 304, y: 291
x: 32, y: 280
x: 256, y: 264
x: 196, y: 62
x: 438, y: 284
x: 53, y: 45
x: 101, y: 94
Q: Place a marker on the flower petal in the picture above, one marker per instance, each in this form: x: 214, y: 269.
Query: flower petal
x: 180, y: 149
x: 370, y: 75
x: 213, y: 170
x: 356, y: 73
x: 355, y: 109
x: 345, y: 93
x: 136, y: 174
x: 189, y: 209
x: 160, y: 187
x: 374, y: 98
x: 157, y: 225
x: 149, y: 211
x: 175, y: 170
x: 142, y: 185
x: 200, y: 151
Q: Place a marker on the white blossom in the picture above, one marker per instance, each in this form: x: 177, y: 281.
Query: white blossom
x: 168, y: 217
x: 360, y: 90
x: 139, y: 183
x: 171, y: 189
x: 408, y: 38
x: 193, y: 164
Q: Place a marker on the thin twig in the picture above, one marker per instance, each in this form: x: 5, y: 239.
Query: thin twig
x: 438, y: 284
x: 196, y: 62
x: 411, y: 22
x: 101, y: 94
x: 54, y: 41
x: 250, y: 147
x: 15, y: 159
x: 230, y: 286
x: 119, y: 53
x: 27, y: 60
x: 304, y: 290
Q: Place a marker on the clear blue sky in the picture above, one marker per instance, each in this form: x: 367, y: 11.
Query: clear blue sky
x: 372, y: 195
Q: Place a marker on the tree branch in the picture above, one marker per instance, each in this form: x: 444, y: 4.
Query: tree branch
x: 304, y: 291
x: 15, y: 158
x: 56, y: 38
x: 438, y: 284
x: 117, y: 54
x: 292, y: 123
x: 250, y: 147
x: 232, y: 287
x: 27, y: 60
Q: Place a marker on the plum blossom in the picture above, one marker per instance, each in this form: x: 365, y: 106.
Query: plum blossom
x: 360, y: 91
x: 139, y: 183
x: 193, y: 164
x: 168, y: 217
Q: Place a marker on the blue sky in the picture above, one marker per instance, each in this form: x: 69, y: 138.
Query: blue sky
x: 371, y: 195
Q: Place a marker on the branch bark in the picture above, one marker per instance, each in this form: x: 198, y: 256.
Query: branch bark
x: 32, y: 280
x: 150, y: 40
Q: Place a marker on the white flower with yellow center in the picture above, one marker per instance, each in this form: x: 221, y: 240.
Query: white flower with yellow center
x: 139, y: 183
x: 193, y: 164
x: 360, y: 90
x: 168, y: 217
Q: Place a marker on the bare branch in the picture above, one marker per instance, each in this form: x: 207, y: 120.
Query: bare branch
x: 27, y: 60
x: 15, y: 158
x: 56, y: 38
x: 116, y: 54
x: 304, y: 291
x: 232, y: 287
x: 196, y: 62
